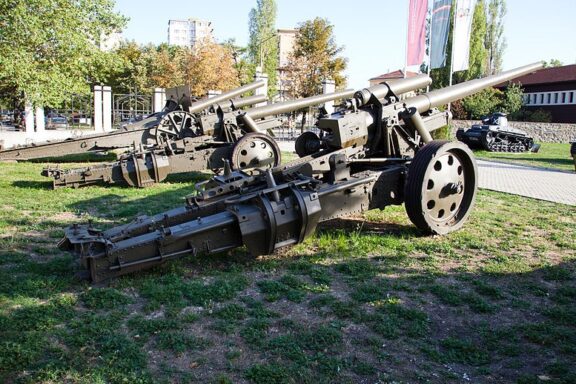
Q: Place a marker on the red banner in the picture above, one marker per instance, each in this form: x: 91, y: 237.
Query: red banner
x: 416, y: 32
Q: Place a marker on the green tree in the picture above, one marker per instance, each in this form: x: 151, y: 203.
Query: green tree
x: 553, y: 63
x: 495, y: 41
x: 210, y: 66
x: 512, y: 98
x: 482, y: 103
x: 315, y: 57
x: 263, y: 45
x: 50, y: 48
x: 242, y: 63
x: 167, y: 66
x: 492, y: 100
x: 133, y: 69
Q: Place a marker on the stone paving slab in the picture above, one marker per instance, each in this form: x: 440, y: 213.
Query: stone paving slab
x: 538, y: 183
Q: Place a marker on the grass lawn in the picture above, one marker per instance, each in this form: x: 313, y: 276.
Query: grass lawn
x: 550, y: 155
x: 367, y: 299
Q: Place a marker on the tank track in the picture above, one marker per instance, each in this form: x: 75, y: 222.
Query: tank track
x: 505, y: 143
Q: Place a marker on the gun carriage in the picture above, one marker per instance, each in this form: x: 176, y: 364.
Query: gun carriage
x: 374, y: 152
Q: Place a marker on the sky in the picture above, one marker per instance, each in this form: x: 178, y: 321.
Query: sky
x: 373, y: 32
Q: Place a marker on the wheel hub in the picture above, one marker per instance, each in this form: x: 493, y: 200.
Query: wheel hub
x: 255, y: 151
x: 444, y: 187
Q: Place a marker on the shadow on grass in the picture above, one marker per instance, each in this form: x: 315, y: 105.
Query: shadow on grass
x: 89, y: 157
x: 28, y: 184
x: 367, y: 227
x: 181, y: 178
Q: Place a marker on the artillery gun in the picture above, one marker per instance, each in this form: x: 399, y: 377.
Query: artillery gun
x: 178, y: 115
x: 373, y: 152
x: 204, y: 143
x: 495, y: 135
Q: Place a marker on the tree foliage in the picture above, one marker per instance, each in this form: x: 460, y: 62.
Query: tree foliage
x: 141, y: 68
x: 315, y: 58
x: 50, y: 47
x: 482, y: 103
x: 553, y: 63
x: 495, y: 41
x: 263, y: 45
x: 242, y: 63
x: 210, y: 66
x: 492, y: 100
x: 512, y: 98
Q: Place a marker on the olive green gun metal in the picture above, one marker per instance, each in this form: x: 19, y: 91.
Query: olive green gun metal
x: 374, y: 152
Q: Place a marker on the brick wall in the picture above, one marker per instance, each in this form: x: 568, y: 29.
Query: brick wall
x: 541, y: 132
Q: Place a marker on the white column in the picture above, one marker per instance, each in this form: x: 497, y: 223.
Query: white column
x: 29, y: 119
x: 40, y: 122
x: 213, y: 92
x: 98, y: 123
x: 329, y: 86
x: 159, y: 99
x: 107, y: 108
x: 262, y: 90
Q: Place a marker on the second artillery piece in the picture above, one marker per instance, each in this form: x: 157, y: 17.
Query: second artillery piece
x: 374, y: 152
x: 236, y: 138
x: 176, y: 116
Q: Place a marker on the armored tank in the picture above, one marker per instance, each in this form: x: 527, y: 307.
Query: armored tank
x: 495, y: 135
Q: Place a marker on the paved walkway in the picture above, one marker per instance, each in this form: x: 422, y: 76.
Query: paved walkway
x: 538, y: 183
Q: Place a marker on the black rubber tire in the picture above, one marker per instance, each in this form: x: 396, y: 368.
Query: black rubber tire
x: 415, y: 180
x: 307, y: 143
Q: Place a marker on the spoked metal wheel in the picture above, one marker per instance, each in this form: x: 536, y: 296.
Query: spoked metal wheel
x: 173, y: 126
x: 441, y: 186
x: 255, y: 150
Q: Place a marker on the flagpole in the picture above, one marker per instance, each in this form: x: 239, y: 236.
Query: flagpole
x: 430, y: 44
x: 407, y: 35
x: 452, y: 50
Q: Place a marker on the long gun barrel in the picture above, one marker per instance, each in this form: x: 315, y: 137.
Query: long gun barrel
x: 242, y: 102
x: 443, y: 96
x: 359, y: 165
x: 295, y: 105
x: 396, y: 88
x: 203, y: 104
